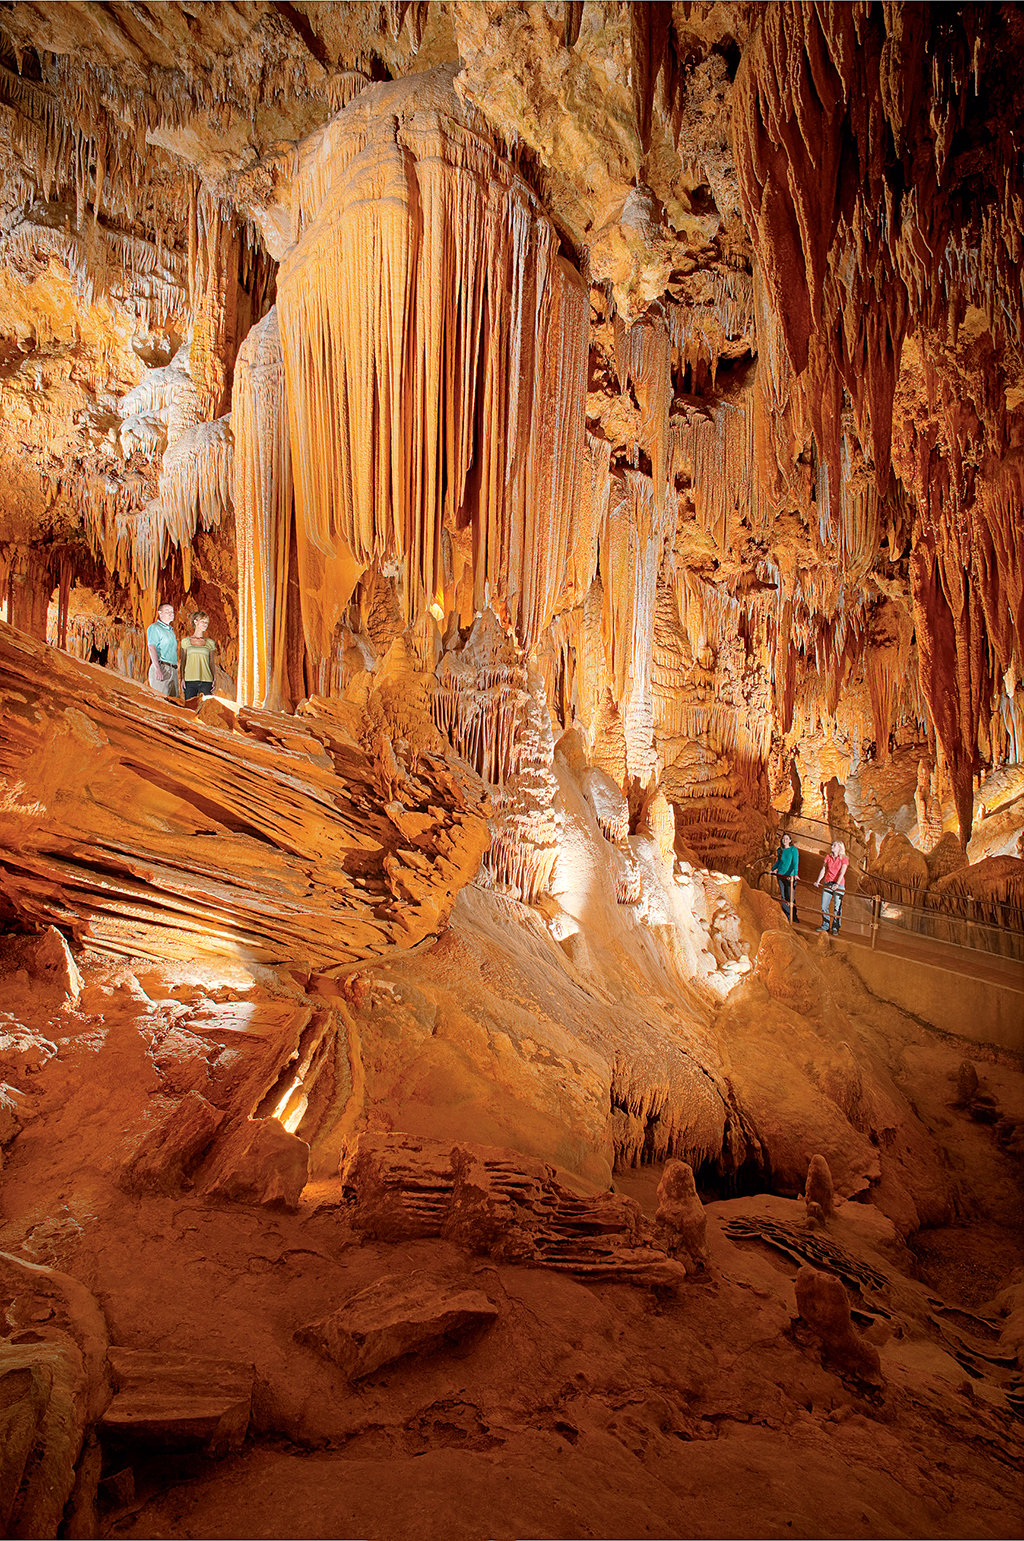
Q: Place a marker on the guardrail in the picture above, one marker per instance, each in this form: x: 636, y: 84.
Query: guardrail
x: 995, y: 913
x: 878, y: 920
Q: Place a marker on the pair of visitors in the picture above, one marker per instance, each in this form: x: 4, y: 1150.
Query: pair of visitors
x: 785, y: 868
x: 833, y: 874
x: 197, y: 651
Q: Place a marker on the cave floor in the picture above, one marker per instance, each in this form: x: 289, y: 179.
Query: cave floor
x: 588, y: 1409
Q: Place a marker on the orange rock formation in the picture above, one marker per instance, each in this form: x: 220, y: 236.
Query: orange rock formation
x: 594, y: 433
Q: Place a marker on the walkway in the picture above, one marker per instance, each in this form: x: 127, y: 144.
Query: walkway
x: 899, y: 941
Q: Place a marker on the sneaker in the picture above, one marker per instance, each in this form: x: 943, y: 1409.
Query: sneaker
x: 824, y: 925
x: 835, y: 928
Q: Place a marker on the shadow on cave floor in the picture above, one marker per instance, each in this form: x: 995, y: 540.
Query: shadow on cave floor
x: 967, y: 1264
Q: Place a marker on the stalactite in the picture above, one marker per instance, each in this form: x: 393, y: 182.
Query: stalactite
x: 715, y: 453
x: 263, y: 514
x: 426, y: 305
x: 214, y: 343
x: 703, y: 329
x: 643, y: 360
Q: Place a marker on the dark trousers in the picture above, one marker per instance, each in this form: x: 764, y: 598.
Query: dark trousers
x: 195, y: 688
x: 787, y: 896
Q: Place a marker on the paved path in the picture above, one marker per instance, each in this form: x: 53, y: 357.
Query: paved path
x: 899, y: 942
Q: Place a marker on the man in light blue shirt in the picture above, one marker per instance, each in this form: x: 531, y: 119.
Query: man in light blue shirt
x: 163, y: 653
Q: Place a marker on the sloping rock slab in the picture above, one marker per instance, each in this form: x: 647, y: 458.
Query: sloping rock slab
x: 398, y: 1315
x: 179, y: 1400
x: 170, y: 1153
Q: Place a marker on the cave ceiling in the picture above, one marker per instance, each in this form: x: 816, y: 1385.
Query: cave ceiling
x: 688, y: 337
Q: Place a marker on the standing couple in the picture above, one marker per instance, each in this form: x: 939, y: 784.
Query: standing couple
x: 833, y: 874
x: 197, y: 651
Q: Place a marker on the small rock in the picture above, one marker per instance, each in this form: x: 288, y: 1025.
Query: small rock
x: 398, y: 1315
x: 170, y: 1154
x: 215, y: 714
x: 179, y: 1400
x: 23, y: 1052
x: 10, y: 1122
x: 815, y: 1215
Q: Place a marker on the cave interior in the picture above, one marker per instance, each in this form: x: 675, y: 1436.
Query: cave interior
x: 591, y: 436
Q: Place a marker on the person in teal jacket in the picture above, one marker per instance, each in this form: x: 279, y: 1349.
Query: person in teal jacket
x: 787, y: 864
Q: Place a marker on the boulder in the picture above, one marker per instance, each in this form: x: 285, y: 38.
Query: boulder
x: 170, y: 1153
x: 178, y: 1400
x: 398, y: 1315
x: 42, y: 965
x: 259, y: 1162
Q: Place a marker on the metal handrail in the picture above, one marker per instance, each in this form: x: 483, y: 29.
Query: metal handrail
x: 871, y: 915
x: 1012, y: 915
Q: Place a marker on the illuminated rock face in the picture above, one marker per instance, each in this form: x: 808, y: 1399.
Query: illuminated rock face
x: 592, y: 430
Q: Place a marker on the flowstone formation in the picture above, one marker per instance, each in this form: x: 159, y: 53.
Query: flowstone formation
x: 593, y: 433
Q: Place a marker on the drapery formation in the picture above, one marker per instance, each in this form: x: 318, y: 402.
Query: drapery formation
x: 263, y: 513
x: 435, y: 348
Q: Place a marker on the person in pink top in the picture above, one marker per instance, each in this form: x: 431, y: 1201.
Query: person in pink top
x: 833, y: 875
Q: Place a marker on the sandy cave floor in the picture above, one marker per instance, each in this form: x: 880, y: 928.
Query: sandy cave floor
x: 587, y: 1410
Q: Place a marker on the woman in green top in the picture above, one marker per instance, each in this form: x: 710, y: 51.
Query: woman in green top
x: 197, y: 658
x: 787, y: 862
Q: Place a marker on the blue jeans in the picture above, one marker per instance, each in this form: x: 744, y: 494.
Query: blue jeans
x: 787, y: 895
x: 833, y: 896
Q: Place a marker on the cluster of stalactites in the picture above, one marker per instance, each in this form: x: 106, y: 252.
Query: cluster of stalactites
x: 161, y: 417
x: 495, y: 715
x: 480, y: 701
x: 135, y: 273
x: 435, y: 348
x: 865, y: 234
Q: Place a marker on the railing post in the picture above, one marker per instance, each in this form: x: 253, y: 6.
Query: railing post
x: 876, y: 907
